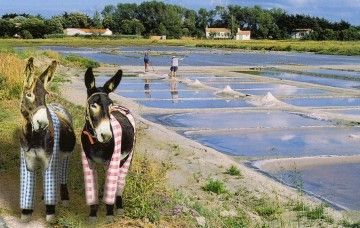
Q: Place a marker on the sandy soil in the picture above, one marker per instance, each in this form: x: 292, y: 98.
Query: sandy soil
x: 283, y: 164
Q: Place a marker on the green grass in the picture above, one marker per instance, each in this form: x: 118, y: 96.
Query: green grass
x: 316, y: 213
x: 233, y: 171
x: 268, y: 208
x: 349, y: 224
x: 321, y: 47
x: 215, y: 186
x: 79, y: 61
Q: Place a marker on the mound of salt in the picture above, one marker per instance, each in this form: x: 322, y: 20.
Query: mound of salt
x: 353, y: 136
x: 197, y: 83
x: 228, y: 91
x: 269, y: 98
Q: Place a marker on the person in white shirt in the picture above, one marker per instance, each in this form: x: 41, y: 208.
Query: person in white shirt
x: 174, y: 66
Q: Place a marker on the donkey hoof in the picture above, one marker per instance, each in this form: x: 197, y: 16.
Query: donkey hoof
x: 120, y: 211
x: 92, y: 219
x: 50, y: 218
x: 25, y: 218
x: 109, y: 218
x: 65, y: 203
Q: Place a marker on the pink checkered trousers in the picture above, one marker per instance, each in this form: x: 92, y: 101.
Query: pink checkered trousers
x: 115, y: 175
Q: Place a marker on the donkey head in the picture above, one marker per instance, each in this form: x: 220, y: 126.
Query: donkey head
x: 98, y: 103
x: 33, y: 105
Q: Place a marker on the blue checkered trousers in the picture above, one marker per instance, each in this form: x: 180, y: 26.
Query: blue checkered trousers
x: 52, y: 174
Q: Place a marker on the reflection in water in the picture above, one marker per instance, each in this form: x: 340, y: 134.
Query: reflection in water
x: 147, y: 88
x: 173, y: 90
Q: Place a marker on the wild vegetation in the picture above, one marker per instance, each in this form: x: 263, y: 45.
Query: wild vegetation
x: 159, y: 18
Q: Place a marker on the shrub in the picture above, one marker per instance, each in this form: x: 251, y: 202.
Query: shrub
x: 233, y: 171
x: 215, y: 186
x: 268, y: 208
x: 316, y: 213
x: 79, y: 61
x: 146, y: 195
x: 26, y: 34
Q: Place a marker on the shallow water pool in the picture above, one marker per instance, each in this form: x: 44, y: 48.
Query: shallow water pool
x: 194, y: 104
x: 283, y: 143
x: 312, y: 79
x: 229, y: 120
x: 338, y: 183
x: 322, y: 102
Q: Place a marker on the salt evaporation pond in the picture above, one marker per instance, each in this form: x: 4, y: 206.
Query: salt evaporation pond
x: 179, y: 103
x: 137, y: 84
x: 348, y: 111
x: 203, y: 56
x: 221, y: 79
x: 285, y: 90
x: 338, y: 73
x: 165, y: 94
x: 282, y: 143
x: 338, y: 183
x: 323, y: 102
x: 334, y: 82
x: 231, y: 120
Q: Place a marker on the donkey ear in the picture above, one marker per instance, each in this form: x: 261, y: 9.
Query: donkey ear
x: 89, y: 79
x: 48, y: 75
x: 113, y: 83
x: 29, y: 73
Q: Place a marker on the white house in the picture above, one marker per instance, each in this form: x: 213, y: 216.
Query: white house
x: 243, y: 35
x: 300, y: 33
x: 81, y: 31
x: 218, y: 33
x: 224, y: 33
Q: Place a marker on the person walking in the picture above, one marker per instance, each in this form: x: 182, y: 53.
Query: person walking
x: 147, y: 60
x: 174, y: 66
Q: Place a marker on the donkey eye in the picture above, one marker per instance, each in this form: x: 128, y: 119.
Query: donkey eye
x: 93, y: 105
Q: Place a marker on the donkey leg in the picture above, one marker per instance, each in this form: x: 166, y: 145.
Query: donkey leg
x: 91, y: 189
x: 119, y: 205
x: 51, y: 183
x: 125, y: 165
x: 64, y: 174
x: 109, y: 212
x: 27, y: 190
x: 113, y: 171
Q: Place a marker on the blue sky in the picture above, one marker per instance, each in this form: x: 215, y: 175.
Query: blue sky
x: 334, y: 10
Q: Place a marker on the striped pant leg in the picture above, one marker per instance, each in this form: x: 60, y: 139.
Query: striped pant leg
x: 112, y: 172
x: 64, y: 169
x: 90, y: 179
x: 122, y: 175
x: 27, y: 185
x: 51, y: 180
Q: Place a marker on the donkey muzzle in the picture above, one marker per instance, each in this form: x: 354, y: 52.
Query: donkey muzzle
x: 39, y: 119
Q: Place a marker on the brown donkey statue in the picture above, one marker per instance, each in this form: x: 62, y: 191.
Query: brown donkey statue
x: 47, y: 137
x: 108, y: 138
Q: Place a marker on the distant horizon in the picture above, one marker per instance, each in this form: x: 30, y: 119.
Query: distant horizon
x: 330, y: 10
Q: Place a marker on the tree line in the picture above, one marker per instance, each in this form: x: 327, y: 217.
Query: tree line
x: 159, y: 18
